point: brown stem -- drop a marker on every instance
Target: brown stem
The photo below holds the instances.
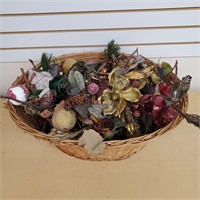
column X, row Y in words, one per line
column 175, row 79
column 32, row 63
column 32, row 77
column 136, row 51
column 25, row 79
column 155, row 67
column 100, row 68
column 190, row 118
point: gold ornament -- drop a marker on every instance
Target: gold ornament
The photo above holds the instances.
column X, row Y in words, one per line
column 63, row 120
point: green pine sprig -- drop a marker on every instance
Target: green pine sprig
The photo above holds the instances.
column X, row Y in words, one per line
column 112, row 49
column 46, row 61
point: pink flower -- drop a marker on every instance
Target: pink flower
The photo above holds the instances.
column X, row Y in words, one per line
column 152, row 104
column 93, row 88
column 155, row 105
column 166, row 116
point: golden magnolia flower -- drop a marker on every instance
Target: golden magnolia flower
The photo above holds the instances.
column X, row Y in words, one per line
column 117, row 97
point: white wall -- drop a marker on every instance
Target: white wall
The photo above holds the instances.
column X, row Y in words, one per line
column 160, row 28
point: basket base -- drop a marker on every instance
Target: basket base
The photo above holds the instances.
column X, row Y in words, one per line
column 110, row 153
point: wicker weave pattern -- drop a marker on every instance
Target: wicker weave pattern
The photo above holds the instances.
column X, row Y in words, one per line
column 115, row 149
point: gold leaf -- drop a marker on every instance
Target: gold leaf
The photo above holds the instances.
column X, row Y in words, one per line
column 120, row 107
column 111, row 77
column 117, row 81
column 111, row 107
column 67, row 65
column 134, row 75
column 107, row 93
column 148, row 70
column 155, row 78
column 143, row 83
column 131, row 94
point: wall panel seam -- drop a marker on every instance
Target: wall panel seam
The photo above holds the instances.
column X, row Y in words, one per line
column 100, row 11
column 101, row 29
column 93, row 46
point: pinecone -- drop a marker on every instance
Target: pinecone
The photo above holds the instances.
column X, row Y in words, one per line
column 73, row 101
column 106, row 123
column 128, row 114
column 105, row 126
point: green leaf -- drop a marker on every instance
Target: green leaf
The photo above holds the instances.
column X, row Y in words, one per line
column 56, row 83
column 166, row 69
column 35, row 92
column 80, row 63
column 73, row 89
column 95, row 113
column 79, row 80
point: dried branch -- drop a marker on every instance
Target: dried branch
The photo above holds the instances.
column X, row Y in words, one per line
column 136, row 51
column 25, row 79
column 190, row 118
column 175, row 79
column 32, row 63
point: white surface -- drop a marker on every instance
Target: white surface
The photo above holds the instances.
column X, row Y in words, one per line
column 175, row 34
column 99, row 38
column 38, row 6
column 100, row 21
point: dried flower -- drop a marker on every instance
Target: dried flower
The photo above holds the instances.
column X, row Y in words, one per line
column 92, row 88
column 19, row 92
column 166, row 116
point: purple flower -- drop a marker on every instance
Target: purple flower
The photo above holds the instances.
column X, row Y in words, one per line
column 92, row 88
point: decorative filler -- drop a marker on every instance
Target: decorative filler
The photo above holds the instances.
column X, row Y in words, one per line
column 99, row 106
column 19, row 92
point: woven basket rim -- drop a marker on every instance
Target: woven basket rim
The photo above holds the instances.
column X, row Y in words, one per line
column 135, row 140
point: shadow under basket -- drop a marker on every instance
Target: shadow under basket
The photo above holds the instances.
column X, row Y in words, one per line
column 115, row 149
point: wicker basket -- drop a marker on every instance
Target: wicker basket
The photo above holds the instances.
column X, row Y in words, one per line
column 115, row 149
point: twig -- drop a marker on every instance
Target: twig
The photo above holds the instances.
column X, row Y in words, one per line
column 190, row 118
column 175, row 79
column 69, row 135
column 136, row 51
column 25, row 78
column 150, row 61
column 32, row 77
column 32, row 63
column 156, row 69
column 100, row 68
